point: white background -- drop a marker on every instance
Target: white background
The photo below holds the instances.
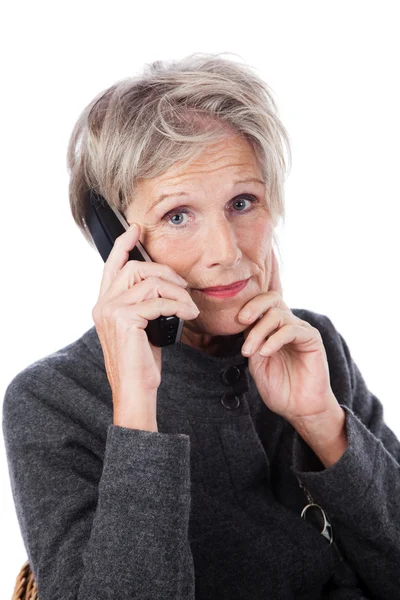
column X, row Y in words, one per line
column 335, row 73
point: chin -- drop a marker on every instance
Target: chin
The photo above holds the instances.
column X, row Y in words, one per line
column 232, row 327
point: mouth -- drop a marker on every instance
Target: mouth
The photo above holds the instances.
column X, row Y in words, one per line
column 221, row 288
column 225, row 290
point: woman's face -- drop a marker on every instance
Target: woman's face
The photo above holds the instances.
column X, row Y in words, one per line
column 212, row 230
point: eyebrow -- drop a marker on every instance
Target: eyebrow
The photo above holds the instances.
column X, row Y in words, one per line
column 163, row 196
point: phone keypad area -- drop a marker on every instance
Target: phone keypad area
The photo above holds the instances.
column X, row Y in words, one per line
column 163, row 330
column 171, row 334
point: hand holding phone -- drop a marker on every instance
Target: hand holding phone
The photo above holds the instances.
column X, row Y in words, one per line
column 106, row 224
column 141, row 307
column 131, row 294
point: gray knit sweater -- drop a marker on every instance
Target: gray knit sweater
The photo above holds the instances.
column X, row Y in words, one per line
column 209, row 506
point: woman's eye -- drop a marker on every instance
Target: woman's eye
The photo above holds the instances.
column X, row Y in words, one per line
column 238, row 202
column 241, row 200
column 169, row 216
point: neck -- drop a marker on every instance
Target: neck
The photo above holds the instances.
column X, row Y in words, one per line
column 218, row 345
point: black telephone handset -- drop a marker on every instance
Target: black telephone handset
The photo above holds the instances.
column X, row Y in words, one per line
column 106, row 224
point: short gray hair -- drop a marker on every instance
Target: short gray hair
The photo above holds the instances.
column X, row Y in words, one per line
column 142, row 125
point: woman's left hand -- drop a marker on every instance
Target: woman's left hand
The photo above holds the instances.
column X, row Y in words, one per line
column 293, row 378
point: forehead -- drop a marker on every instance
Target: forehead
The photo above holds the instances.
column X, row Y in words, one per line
column 233, row 155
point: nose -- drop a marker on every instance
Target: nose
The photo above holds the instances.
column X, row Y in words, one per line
column 221, row 246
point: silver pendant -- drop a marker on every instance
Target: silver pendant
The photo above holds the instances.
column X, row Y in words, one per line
column 327, row 527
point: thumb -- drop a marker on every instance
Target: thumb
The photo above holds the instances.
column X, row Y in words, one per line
column 275, row 283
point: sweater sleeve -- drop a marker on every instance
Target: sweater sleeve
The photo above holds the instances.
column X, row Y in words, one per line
column 361, row 491
column 97, row 523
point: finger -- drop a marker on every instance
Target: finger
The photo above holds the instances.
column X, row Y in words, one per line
column 139, row 314
column 118, row 258
column 135, row 271
column 154, row 287
column 289, row 334
column 259, row 305
column 265, row 327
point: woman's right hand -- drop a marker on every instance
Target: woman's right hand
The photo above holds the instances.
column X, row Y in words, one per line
column 133, row 292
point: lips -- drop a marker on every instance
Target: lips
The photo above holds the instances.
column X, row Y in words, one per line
column 221, row 288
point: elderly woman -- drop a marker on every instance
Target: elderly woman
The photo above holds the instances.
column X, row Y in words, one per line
column 247, row 460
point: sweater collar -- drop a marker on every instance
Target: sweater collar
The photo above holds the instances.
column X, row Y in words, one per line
column 179, row 351
column 191, row 378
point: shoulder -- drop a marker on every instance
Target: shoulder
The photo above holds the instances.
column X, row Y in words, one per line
column 68, row 386
column 54, row 368
column 318, row 320
column 330, row 335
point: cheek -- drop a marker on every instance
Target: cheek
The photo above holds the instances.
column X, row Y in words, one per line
column 261, row 245
column 262, row 229
column 166, row 251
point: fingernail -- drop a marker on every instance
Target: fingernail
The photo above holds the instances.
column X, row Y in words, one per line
column 133, row 225
column 245, row 316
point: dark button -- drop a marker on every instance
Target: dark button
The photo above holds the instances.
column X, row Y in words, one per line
column 231, row 375
column 230, row 401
